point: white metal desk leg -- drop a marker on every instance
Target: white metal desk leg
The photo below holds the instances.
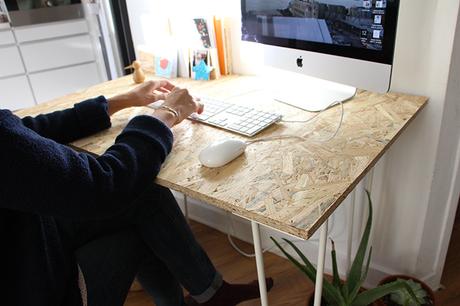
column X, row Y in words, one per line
column 320, row 267
column 259, row 264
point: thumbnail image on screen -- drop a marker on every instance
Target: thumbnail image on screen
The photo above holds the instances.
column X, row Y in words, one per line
column 354, row 23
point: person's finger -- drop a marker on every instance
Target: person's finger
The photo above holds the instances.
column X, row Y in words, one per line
column 175, row 89
column 200, row 107
column 162, row 89
column 166, row 84
column 159, row 96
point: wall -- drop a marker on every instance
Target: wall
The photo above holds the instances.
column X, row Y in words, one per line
column 408, row 201
column 415, row 185
column 446, row 179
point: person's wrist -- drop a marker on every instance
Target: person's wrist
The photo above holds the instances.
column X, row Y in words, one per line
column 173, row 110
column 166, row 116
column 119, row 102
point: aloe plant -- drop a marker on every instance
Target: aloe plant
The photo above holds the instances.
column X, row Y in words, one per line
column 347, row 293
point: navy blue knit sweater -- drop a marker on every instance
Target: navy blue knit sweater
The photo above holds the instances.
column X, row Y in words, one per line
column 41, row 178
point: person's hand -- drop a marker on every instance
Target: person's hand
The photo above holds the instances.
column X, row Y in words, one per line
column 181, row 101
column 149, row 92
column 178, row 105
column 142, row 95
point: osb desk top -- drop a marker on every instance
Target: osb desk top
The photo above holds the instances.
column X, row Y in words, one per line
column 290, row 184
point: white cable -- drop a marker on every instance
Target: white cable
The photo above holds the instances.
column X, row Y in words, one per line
column 338, row 126
column 241, row 252
column 230, row 229
column 287, row 136
column 313, row 117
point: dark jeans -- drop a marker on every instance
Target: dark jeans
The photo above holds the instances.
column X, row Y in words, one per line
column 151, row 240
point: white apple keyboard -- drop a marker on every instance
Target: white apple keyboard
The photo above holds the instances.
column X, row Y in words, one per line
column 243, row 120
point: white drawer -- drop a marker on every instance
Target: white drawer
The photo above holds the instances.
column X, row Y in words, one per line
column 6, row 38
column 57, row 53
column 15, row 93
column 55, row 83
column 10, row 61
column 51, row 30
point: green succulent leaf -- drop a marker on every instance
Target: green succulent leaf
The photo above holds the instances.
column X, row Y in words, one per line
column 330, row 294
column 355, row 275
column 335, row 270
column 368, row 297
column 353, row 294
column 403, row 297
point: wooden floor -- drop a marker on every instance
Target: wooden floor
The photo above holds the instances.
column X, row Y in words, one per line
column 291, row 287
column 450, row 296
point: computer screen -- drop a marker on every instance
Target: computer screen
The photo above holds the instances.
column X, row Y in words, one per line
column 360, row 29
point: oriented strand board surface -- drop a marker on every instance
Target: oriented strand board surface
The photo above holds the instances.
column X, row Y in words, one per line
column 292, row 185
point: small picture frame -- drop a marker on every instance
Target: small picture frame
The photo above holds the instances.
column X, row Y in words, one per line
column 200, row 64
column 203, row 30
column 166, row 65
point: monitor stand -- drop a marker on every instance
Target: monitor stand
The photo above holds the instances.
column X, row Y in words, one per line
column 308, row 93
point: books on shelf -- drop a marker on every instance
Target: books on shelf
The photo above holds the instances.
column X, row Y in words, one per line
column 223, row 44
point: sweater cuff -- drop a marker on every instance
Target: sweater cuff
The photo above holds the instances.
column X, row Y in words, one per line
column 152, row 129
column 92, row 115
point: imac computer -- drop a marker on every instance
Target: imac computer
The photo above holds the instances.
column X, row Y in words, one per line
column 319, row 51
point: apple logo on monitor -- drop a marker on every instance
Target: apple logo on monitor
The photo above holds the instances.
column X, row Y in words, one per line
column 300, row 62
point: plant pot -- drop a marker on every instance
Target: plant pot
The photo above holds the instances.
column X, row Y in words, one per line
column 385, row 300
column 311, row 299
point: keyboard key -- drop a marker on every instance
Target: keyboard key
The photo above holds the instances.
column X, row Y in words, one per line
column 252, row 130
column 235, row 126
column 199, row 117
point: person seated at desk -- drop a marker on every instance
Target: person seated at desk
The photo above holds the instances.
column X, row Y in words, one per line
column 76, row 229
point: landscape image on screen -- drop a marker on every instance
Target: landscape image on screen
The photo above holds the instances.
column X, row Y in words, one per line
column 353, row 23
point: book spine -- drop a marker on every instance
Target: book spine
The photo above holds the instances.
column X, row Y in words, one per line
column 218, row 30
column 228, row 46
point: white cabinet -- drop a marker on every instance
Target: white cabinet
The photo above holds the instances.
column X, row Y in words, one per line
column 55, row 83
column 6, row 37
column 15, row 93
column 45, row 61
column 10, row 61
column 56, row 53
column 51, row 30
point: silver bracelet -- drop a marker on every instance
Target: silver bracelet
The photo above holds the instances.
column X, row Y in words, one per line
column 170, row 109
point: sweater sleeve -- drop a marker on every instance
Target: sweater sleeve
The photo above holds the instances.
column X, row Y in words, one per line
column 85, row 118
column 41, row 176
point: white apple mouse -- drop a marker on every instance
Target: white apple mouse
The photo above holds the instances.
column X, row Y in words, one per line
column 221, row 152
